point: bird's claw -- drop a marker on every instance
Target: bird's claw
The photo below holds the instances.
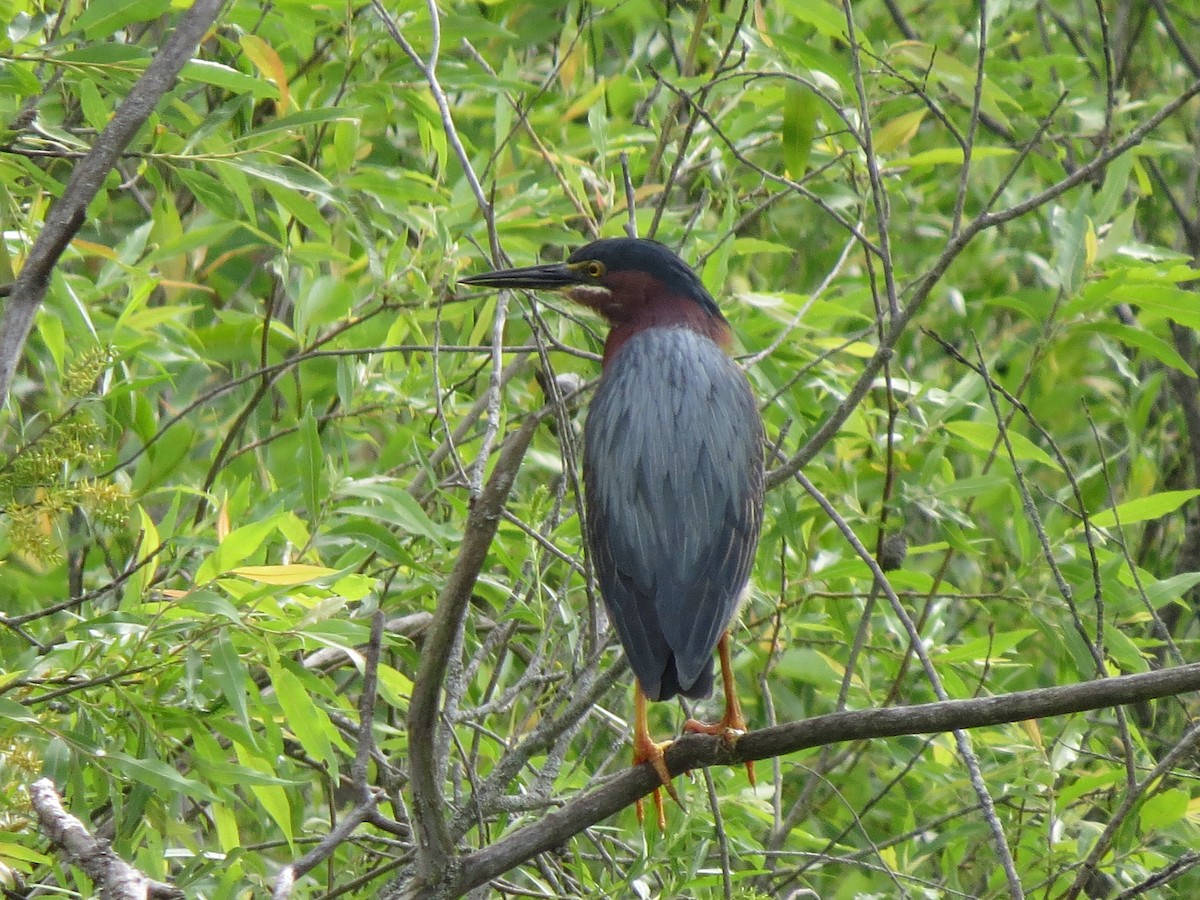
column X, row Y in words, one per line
column 649, row 751
column 727, row 732
column 729, row 729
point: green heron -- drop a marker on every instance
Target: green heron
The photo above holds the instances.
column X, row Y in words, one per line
column 672, row 471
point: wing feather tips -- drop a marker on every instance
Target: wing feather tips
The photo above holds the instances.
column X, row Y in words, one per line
column 673, row 564
column 697, row 689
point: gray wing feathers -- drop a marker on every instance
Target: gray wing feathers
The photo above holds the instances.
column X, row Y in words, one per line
column 673, row 476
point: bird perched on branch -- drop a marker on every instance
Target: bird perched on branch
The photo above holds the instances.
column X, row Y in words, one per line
column 673, row 472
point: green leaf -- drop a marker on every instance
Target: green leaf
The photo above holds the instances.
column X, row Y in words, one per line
column 1159, row 593
column 160, row 776
column 986, row 435
column 312, row 464
column 351, row 119
column 748, row 246
column 272, row 797
column 825, row 17
column 100, row 18
column 308, row 721
column 1143, row 509
column 1161, row 301
column 938, row 64
column 393, row 505
column 225, row 667
column 149, row 544
column 292, row 177
column 1164, row 809
column 291, row 574
column 947, row 156
column 19, row 853
column 95, row 110
column 12, row 711
column 17, row 80
column 1068, row 229
column 1116, row 180
column 238, row 545
column 899, row 131
column 108, row 55
column 1124, row 652
column 222, row 76
column 800, row 108
column 212, row 193
column 394, row 686
column 1151, row 344
column 988, row 647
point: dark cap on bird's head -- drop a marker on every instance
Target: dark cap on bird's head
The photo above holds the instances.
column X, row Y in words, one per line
column 672, row 471
column 611, row 275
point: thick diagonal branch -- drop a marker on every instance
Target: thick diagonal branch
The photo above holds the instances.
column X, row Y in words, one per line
column 66, row 216
column 695, row 750
column 114, row 878
column 434, row 847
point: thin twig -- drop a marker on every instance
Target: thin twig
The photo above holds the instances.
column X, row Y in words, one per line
column 963, row 742
column 924, row 285
column 67, row 215
column 1132, row 798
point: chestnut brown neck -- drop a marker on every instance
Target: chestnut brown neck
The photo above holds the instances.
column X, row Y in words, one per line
column 669, row 312
column 633, row 301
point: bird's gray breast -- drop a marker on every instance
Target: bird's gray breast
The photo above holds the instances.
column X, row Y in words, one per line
column 673, row 480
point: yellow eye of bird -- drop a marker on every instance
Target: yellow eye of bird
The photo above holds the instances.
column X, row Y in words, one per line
column 594, row 268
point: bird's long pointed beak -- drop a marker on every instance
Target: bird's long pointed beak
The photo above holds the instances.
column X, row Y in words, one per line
column 550, row 276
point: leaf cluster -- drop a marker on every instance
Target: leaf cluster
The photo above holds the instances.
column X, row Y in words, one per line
column 957, row 246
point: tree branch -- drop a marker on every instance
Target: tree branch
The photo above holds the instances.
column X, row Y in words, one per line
column 115, row 878
column 434, row 845
column 695, row 750
column 923, row 286
column 66, row 216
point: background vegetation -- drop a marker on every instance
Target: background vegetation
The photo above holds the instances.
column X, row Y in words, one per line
column 956, row 242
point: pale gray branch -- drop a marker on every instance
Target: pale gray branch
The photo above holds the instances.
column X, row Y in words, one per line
column 66, row 216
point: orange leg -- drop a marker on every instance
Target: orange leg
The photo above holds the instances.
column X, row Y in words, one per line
column 646, row 750
column 733, row 723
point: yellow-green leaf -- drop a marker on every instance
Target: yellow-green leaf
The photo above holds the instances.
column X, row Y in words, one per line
column 394, row 686
column 985, row 436
column 899, row 131
column 948, row 156
column 1143, row 508
column 296, row 573
column 149, row 544
column 268, row 63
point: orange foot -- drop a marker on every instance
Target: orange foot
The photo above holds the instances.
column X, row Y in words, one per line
column 728, row 730
column 725, row 730
column 646, row 750
column 733, row 724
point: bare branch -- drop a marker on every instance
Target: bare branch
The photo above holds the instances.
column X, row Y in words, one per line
column 695, row 750
column 116, row 879
column 429, row 808
column 66, row 216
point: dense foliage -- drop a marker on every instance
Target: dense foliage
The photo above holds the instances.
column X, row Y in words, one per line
column 956, row 242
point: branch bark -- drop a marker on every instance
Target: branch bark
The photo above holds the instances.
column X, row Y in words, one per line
column 115, row 878
column 695, row 750
column 434, row 845
column 67, row 215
